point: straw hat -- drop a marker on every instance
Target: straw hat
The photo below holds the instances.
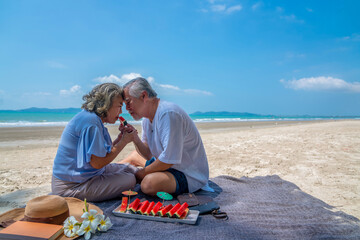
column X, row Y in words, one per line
column 51, row 209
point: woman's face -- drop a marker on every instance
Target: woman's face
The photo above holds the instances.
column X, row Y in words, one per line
column 114, row 111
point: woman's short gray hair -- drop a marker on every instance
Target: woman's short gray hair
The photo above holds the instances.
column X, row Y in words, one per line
column 138, row 85
column 99, row 100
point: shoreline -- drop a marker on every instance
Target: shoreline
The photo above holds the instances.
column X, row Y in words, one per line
column 44, row 132
column 321, row 157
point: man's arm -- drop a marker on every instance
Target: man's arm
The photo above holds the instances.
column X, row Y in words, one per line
column 142, row 148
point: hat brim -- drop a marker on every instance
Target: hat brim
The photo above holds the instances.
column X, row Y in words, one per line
column 75, row 205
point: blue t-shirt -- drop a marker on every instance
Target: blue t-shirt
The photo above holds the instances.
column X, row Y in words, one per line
column 83, row 136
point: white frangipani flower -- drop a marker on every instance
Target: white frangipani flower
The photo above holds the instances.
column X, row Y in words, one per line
column 86, row 229
column 70, row 227
column 91, row 219
column 104, row 224
column 91, row 223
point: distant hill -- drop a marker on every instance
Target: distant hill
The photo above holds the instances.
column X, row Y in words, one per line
column 262, row 116
column 229, row 114
column 45, row 110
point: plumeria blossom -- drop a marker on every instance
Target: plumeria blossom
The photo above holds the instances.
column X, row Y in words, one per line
column 86, row 230
column 104, row 224
column 91, row 223
column 71, row 226
column 90, row 217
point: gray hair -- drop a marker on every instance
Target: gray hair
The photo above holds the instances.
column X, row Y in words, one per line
column 99, row 100
column 138, row 85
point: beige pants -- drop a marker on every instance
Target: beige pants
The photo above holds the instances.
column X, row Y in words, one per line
column 115, row 179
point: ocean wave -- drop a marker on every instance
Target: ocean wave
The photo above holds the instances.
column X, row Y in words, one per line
column 32, row 124
column 196, row 120
column 255, row 119
column 45, row 124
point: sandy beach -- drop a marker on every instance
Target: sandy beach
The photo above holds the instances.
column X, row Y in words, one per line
column 321, row 157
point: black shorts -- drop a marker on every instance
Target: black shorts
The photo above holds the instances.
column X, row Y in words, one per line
column 181, row 181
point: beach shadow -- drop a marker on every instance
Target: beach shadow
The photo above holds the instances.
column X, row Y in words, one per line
column 19, row 198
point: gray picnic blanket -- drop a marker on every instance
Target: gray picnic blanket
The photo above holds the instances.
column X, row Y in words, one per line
column 258, row 208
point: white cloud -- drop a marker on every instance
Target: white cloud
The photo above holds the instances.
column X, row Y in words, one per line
column 321, row 83
column 353, row 37
column 115, row 79
column 218, row 8
column 150, row 79
column 167, row 87
column 279, row 9
column 289, row 18
column 221, row 8
column 233, row 9
column 57, row 65
column 309, row 10
column 186, row 91
column 292, row 18
column 224, row 9
column 256, row 6
column 73, row 90
column 195, row 91
column 112, row 78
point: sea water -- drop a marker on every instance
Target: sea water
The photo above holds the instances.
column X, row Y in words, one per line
column 60, row 117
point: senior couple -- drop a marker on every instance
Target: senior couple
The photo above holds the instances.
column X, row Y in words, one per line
column 169, row 157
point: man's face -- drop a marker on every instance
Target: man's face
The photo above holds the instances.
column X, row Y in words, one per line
column 133, row 105
column 115, row 110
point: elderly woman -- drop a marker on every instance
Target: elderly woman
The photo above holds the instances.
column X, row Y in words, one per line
column 82, row 166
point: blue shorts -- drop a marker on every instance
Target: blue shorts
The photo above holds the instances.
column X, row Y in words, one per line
column 181, row 182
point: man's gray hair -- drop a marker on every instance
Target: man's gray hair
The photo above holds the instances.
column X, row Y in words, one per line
column 99, row 100
column 138, row 85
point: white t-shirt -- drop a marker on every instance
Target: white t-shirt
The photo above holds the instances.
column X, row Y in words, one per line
column 174, row 139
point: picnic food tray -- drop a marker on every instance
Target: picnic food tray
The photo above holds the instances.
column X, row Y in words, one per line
column 190, row 218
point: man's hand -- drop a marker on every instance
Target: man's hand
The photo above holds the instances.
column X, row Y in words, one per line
column 127, row 128
column 156, row 166
column 129, row 136
column 127, row 133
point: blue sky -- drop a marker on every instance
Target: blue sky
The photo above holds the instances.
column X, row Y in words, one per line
column 267, row 57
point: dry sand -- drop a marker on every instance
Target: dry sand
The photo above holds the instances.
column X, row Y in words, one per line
column 320, row 157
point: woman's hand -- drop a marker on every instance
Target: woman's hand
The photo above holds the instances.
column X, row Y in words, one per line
column 128, row 126
column 118, row 138
column 127, row 137
column 128, row 134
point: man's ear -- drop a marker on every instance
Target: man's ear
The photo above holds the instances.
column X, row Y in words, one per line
column 144, row 95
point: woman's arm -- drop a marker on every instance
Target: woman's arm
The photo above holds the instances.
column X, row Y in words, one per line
column 100, row 162
column 141, row 147
column 117, row 139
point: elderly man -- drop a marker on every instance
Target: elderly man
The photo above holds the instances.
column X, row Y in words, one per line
column 171, row 144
